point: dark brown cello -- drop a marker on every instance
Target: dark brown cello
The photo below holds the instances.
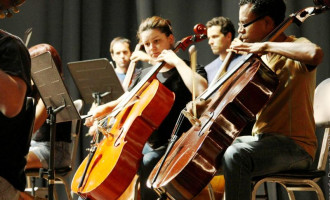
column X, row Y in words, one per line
column 195, row 157
column 112, row 164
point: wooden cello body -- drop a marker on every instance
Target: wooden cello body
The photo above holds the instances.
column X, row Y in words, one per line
column 130, row 132
column 195, row 157
column 112, row 164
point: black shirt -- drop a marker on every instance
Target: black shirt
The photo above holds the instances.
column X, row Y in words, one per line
column 14, row 60
column 173, row 81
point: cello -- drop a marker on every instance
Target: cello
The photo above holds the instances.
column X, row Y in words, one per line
column 130, row 70
column 111, row 164
column 244, row 90
column 7, row 5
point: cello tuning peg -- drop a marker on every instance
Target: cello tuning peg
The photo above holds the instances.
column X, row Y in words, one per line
column 2, row 14
column 9, row 14
column 200, row 29
column 15, row 9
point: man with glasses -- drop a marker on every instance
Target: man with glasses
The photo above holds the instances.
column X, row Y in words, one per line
column 283, row 137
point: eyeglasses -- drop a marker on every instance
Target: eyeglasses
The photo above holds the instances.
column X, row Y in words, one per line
column 240, row 25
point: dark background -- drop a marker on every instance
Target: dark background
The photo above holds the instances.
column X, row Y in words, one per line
column 83, row 29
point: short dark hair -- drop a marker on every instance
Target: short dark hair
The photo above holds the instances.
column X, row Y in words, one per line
column 119, row 39
column 226, row 26
column 272, row 8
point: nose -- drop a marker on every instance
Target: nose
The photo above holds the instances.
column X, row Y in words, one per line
column 240, row 29
column 152, row 46
column 122, row 55
column 210, row 41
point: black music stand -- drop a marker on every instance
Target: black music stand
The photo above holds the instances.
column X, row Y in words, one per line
column 57, row 100
column 96, row 80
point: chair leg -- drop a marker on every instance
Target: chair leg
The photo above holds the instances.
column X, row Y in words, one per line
column 266, row 191
column 265, row 195
column 255, row 189
column 55, row 193
column 136, row 188
column 319, row 194
column 211, row 192
column 66, row 186
column 317, row 190
column 33, row 186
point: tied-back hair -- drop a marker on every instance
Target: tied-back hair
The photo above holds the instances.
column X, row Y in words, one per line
column 155, row 22
column 226, row 26
column 272, row 8
column 121, row 40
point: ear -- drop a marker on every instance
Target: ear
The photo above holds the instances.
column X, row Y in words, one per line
column 270, row 24
column 229, row 36
column 171, row 39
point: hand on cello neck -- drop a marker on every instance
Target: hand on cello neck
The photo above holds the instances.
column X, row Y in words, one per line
column 201, row 105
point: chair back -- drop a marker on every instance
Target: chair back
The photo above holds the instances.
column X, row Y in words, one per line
column 30, row 110
column 322, row 118
column 75, row 131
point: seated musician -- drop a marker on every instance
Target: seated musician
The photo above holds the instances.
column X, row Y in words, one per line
column 220, row 34
column 283, row 137
column 155, row 33
column 15, row 86
column 120, row 53
column 39, row 151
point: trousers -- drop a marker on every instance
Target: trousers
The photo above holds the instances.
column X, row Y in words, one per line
column 258, row 155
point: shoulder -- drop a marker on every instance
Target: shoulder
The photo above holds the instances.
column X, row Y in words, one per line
column 293, row 38
column 9, row 41
column 11, row 46
column 215, row 62
column 14, row 57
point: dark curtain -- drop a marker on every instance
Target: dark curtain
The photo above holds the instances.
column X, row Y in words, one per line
column 83, row 29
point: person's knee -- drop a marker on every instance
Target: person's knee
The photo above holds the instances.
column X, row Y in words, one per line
column 233, row 156
column 147, row 160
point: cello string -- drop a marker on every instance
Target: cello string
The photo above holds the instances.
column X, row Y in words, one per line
column 174, row 137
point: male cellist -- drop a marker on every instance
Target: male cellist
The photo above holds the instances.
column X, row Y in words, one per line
column 283, row 137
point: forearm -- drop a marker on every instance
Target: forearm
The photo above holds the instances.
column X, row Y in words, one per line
column 307, row 53
column 186, row 73
column 40, row 116
column 12, row 90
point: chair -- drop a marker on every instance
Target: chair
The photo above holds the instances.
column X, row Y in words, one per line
column 307, row 180
column 62, row 173
column 30, row 116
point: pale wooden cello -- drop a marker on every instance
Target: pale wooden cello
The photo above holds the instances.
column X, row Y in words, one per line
column 112, row 164
column 195, row 157
column 130, row 70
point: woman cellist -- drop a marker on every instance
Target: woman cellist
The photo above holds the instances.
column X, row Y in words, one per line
column 155, row 34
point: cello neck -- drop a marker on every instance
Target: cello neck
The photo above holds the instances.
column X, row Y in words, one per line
column 223, row 66
column 154, row 70
column 183, row 44
column 129, row 75
column 130, row 70
column 297, row 18
column 129, row 95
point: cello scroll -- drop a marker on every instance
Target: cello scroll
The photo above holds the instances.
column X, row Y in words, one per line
column 7, row 5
